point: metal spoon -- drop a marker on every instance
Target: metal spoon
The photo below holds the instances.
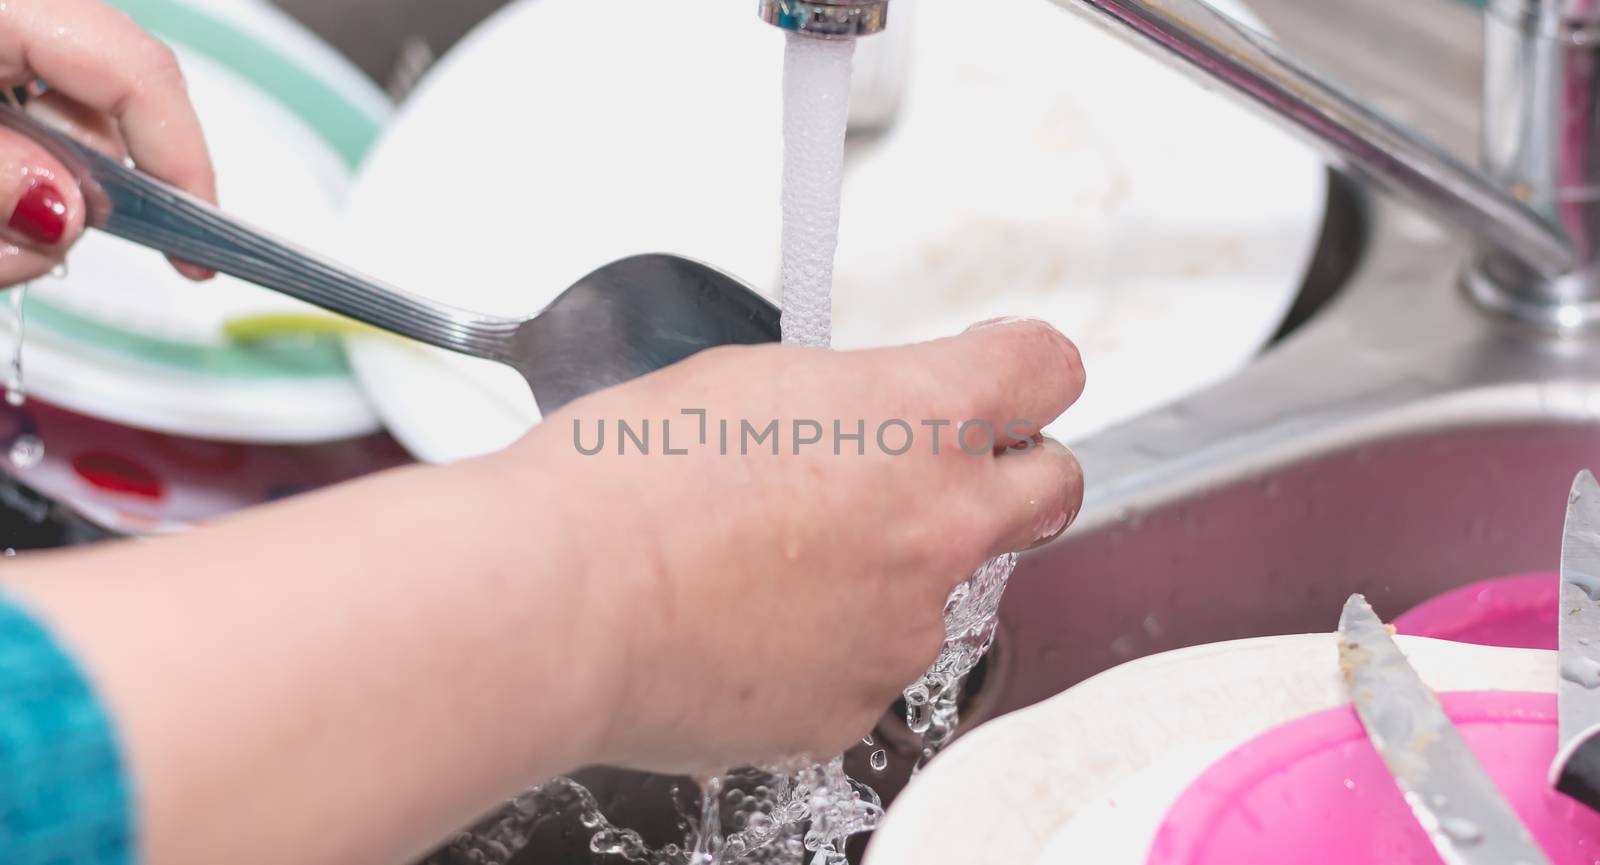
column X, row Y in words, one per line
column 629, row 318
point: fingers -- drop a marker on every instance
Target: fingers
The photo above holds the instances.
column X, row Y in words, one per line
column 99, row 57
column 1037, row 493
column 43, row 207
column 42, row 210
column 65, row 114
column 96, row 58
column 1018, row 375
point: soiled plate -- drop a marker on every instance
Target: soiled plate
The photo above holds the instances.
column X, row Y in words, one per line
column 1036, row 169
column 561, row 135
column 123, row 338
column 138, row 482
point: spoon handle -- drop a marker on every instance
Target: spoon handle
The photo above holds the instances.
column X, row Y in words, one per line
column 137, row 207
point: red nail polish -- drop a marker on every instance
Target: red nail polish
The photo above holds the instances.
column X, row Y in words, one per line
column 41, row 214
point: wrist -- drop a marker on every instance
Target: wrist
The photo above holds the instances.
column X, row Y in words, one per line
column 549, row 558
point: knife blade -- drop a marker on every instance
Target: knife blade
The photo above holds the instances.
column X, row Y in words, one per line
column 1450, row 794
column 1576, row 768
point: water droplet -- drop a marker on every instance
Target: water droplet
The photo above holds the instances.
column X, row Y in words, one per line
column 9, row 552
column 867, row 740
column 1125, row 647
column 60, row 271
column 879, row 760
column 1461, row 830
column 1581, row 671
column 26, row 451
column 1589, row 583
column 1349, row 784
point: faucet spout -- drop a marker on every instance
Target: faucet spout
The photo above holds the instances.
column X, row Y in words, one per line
column 1206, row 44
column 827, row 19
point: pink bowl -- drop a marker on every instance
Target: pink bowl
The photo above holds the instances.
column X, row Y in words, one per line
column 1514, row 612
column 1314, row 792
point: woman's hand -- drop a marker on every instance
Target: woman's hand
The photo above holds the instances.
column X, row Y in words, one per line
column 110, row 84
column 761, row 606
column 347, row 677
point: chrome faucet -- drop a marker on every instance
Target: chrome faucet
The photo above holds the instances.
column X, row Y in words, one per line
column 1532, row 211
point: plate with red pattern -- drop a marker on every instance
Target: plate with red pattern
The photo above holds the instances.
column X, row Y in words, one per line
column 140, row 482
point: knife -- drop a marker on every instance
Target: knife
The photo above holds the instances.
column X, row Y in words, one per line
column 1464, row 814
column 1576, row 769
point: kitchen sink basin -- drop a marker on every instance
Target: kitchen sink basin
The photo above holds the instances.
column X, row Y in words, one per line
column 1402, row 444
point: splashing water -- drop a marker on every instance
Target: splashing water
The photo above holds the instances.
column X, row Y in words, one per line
column 27, row 451
column 970, row 617
column 779, row 816
column 750, row 816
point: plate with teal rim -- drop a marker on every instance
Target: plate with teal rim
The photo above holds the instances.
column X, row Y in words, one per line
column 121, row 337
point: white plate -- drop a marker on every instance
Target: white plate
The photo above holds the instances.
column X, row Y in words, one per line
column 560, row 135
column 1038, row 168
column 1089, row 775
column 124, row 338
column 1042, row 168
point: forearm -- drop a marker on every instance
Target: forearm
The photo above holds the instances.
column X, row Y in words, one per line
column 319, row 680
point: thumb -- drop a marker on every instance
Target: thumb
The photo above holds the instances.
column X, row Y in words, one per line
column 41, row 207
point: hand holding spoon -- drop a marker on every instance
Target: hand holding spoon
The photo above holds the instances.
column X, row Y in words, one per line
column 628, row 318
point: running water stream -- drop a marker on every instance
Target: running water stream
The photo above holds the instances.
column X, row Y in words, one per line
column 816, row 112
column 16, row 391
column 779, row 816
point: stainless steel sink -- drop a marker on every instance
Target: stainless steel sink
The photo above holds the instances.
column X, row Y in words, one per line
column 1400, row 445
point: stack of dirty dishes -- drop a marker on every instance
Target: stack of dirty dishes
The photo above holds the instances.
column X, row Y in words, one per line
column 153, row 403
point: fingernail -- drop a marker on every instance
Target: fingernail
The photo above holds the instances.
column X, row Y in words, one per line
column 193, row 272
column 41, row 214
column 1059, row 447
column 1002, row 321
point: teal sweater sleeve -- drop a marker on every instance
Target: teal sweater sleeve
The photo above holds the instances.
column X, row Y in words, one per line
column 64, row 798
